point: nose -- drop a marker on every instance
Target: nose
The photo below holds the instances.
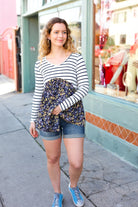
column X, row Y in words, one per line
column 60, row 34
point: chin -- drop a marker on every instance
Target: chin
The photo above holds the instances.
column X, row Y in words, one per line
column 59, row 45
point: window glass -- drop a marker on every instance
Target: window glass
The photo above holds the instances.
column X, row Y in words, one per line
column 73, row 18
column 43, row 19
column 44, row 1
column 33, row 4
column 116, row 48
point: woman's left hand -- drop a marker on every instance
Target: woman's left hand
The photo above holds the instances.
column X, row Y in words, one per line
column 56, row 111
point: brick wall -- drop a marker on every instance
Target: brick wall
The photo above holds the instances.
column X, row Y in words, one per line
column 115, row 129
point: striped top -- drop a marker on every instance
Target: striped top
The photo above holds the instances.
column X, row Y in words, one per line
column 73, row 70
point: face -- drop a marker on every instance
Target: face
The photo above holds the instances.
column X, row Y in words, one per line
column 58, row 35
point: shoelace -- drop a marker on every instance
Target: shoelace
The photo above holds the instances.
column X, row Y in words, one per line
column 56, row 199
column 77, row 194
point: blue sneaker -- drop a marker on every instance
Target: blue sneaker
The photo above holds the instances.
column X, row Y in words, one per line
column 76, row 196
column 58, row 200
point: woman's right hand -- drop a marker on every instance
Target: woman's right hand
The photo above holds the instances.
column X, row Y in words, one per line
column 33, row 131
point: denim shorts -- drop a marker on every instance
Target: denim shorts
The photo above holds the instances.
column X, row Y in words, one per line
column 67, row 130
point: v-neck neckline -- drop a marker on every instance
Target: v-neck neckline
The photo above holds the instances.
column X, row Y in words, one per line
column 56, row 65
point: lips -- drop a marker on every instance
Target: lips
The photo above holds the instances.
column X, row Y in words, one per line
column 60, row 40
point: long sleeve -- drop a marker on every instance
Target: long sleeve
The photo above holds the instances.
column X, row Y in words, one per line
column 82, row 83
column 39, row 86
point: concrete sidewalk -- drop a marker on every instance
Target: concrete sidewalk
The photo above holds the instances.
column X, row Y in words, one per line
column 106, row 181
column 7, row 85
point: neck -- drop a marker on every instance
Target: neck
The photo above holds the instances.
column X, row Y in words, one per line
column 56, row 51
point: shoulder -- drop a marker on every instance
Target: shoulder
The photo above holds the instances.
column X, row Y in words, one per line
column 77, row 56
column 39, row 63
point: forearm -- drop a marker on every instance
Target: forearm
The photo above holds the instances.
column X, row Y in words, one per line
column 77, row 96
column 39, row 86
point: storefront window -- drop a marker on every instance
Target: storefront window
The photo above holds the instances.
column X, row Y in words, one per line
column 116, row 48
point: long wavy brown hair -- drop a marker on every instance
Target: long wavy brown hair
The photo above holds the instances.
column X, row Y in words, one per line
column 45, row 43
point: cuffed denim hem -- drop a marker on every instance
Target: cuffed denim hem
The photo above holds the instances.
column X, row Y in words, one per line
column 50, row 135
column 51, row 138
column 73, row 136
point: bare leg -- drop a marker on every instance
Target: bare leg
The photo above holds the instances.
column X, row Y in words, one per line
column 74, row 147
column 53, row 152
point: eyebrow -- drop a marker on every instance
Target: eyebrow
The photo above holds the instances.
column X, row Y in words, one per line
column 59, row 30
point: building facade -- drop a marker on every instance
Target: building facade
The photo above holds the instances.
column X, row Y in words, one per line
column 103, row 33
column 10, row 42
column 8, row 17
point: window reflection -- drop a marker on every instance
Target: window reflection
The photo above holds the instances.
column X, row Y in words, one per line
column 116, row 48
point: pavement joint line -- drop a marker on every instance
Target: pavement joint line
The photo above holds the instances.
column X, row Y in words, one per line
column 12, row 131
column 87, row 197
column 2, row 200
column 15, row 116
column 38, row 143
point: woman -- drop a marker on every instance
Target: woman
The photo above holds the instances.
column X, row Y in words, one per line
column 58, row 59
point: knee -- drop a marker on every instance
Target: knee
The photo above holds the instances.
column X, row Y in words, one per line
column 76, row 164
column 53, row 160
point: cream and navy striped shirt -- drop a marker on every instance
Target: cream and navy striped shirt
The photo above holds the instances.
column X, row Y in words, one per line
column 73, row 70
